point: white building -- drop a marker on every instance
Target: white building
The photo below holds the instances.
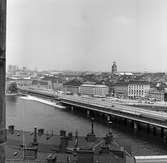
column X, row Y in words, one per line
column 155, row 94
column 94, row 90
column 138, row 89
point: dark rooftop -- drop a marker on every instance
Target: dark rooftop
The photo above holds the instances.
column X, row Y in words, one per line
column 74, row 82
column 139, row 82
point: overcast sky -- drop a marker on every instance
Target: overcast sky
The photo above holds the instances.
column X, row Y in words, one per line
column 88, row 34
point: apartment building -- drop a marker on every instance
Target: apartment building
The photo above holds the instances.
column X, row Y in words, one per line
column 94, row 90
column 138, row 89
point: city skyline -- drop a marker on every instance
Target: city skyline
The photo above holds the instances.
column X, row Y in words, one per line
column 20, row 67
column 88, row 35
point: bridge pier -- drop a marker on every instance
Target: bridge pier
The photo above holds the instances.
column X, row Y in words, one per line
column 164, row 135
column 132, row 124
column 125, row 121
column 88, row 113
column 162, row 132
column 118, row 122
column 148, row 128
column 154, row 130
column 72, row 108
column 115, row 119
column 135, row 126
column 165, row 139
column 139, row 126
column 108, row 118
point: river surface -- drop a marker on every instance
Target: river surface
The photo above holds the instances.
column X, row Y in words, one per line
column 25, row 114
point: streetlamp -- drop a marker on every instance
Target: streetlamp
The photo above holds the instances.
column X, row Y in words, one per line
column 91, row 137
column 92, row 122
column 110, row 128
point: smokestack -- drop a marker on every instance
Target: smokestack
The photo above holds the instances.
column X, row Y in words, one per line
column 2, row 78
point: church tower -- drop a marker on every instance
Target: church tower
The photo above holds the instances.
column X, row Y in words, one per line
column 114, row 68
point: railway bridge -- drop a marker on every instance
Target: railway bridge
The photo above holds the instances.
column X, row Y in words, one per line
column 152, row 120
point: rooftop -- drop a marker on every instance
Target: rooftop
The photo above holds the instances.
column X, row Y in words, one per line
column 91, row 85
column 139, row 82
column 74, row 82
column 48, row 144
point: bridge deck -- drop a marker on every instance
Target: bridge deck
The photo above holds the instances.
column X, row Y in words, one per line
column 155, row 118
column 138, row 114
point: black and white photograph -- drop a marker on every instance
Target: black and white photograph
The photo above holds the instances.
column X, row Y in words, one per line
column 83, row 81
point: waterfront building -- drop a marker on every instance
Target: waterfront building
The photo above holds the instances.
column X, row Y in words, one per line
column 114, row 68
column 120, row 89
column 23, row 82
column 138, row 89
column 94, row 90
column 155, row 94
column 72, row 86
column 56, row 83
column 42, row 84
column 57, row 86
column 48, row 83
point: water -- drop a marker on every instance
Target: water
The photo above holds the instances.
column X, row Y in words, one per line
column 25, row 114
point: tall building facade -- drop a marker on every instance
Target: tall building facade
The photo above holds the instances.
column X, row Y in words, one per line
column 114, row 68
column 138, row 89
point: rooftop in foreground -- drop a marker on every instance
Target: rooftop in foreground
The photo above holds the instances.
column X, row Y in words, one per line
column 64, row 147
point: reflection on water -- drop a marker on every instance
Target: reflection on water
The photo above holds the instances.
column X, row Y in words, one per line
column 12, row 99
column 25, row 114
column 11, row 103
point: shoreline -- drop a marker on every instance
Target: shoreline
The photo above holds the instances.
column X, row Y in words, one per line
column 47, row 102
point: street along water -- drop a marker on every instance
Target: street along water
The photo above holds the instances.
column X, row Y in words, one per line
column 25, row 114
